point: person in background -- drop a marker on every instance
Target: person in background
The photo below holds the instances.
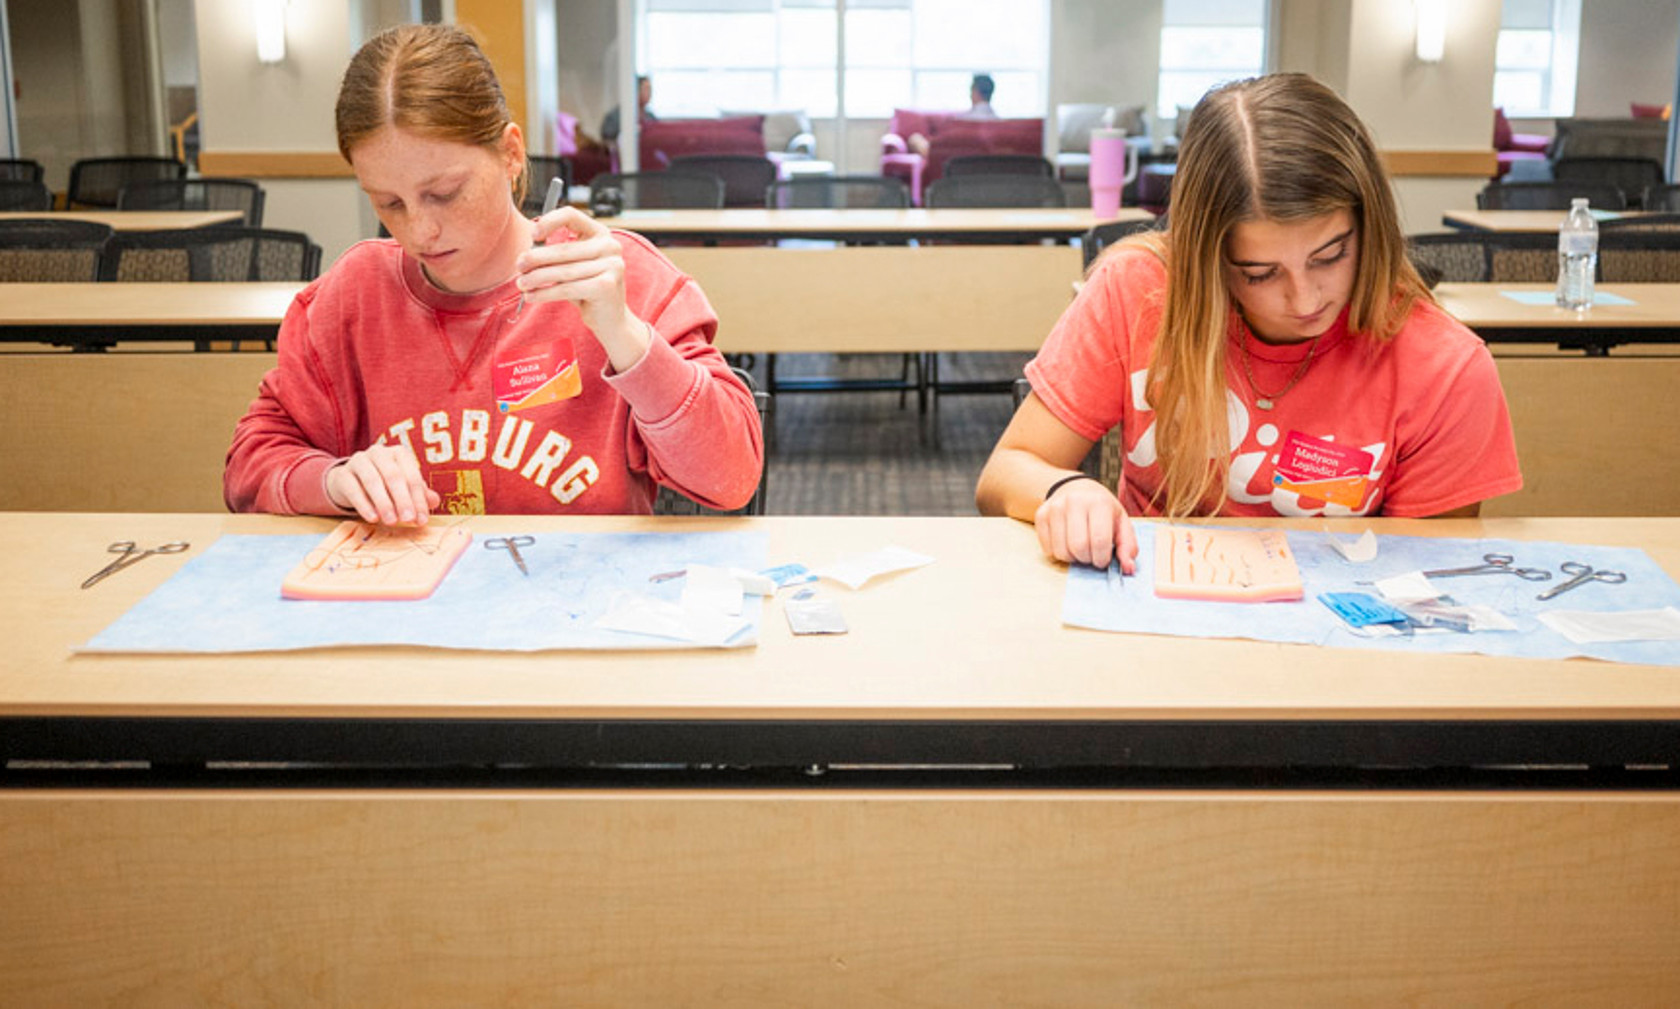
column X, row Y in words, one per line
column 980, row 107
column 610, row 124
column 1273, row 353
column 477, row 361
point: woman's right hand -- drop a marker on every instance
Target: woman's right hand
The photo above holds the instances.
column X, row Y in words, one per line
column 1084, row 522
column 382, row 484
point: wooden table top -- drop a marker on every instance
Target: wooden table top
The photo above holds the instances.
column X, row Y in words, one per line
column 749, row 222
column 1485, row 306
column 133, row 220
column 1519, row 220
column 172, row 304
column 975, row 635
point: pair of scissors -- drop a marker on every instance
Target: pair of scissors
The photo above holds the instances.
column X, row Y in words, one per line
column 512, row 544
column 556, row 189
column 1582, row 573
column 1494, row 564
column 131, row 554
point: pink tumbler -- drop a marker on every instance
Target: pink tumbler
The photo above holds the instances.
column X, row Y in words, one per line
column 1108, row 170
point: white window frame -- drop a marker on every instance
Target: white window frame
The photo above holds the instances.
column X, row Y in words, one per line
column 1559, row 76
column 1167, row 109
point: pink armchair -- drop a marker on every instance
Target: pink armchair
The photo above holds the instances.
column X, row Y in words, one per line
column 951, row 134
column 1511, row 148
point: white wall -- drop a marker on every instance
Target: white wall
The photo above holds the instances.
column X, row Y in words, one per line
column 1628, row 52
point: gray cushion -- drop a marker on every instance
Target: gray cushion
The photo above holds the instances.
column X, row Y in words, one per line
column 1075, row 122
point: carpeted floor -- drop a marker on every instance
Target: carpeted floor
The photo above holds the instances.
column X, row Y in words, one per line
column 859, row 453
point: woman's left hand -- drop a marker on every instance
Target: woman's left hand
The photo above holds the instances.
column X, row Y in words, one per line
column 576, row 259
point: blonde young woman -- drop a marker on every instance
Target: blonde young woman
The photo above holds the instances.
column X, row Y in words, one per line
column 478, row 361
column 1274, row 353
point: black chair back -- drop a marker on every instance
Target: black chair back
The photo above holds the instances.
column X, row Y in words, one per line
column 242, row 195
column 544, row 168
column 21, row 170
column 221, row 254
column 1631, row 175
column 997, row 164
column 745, row 176
column 20, row 194
column 1454, row 256
column 1549, row 195
column 1104, row 235
column 51, row 251
column 95, row 182
column 667, row 190
column 995, row 191
column 1664, row 198
column 848, row 192
column 668, row 502
column 1636, row 255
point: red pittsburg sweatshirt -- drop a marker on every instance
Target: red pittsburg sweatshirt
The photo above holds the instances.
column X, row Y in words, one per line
column 371, row 352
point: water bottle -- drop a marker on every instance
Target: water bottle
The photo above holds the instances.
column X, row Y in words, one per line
column 1577, row 256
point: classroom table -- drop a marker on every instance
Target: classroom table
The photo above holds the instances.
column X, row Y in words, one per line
column 1521, row 220
column 133, row 220
column 94, row 316
column 959, row 802
column 1653, row 318
column 869, row 225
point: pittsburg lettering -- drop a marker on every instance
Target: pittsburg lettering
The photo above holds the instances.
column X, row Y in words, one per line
column 469, row 442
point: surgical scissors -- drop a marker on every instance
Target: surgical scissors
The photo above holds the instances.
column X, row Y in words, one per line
column 1582, row 573
column 512, row 544
column 131, row 554
column 1496, row 564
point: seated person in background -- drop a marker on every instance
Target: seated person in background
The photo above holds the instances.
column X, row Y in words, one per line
column 610, row 124
column 457, row 367
column 980, row 107
column 1274, row 353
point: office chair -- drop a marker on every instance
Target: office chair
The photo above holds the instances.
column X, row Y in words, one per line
column 1552, row 195
column 224, row 254
column 21, row 170
column 242, row 195
column 745, row 176
column 543, row 169
column 51, row 251
column 21, row 194
column 1664, row 198
column 838, row 192
column 1104, row 235
column 1636, row 255
column 667, row 190
column 997, row 164
column 1631, row 175
column 1521, row 257
column 1450, row 256
column 95, row 182
column 995, row 191
column 669, row 502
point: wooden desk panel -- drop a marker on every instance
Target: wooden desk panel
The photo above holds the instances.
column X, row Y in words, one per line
column 146, row 305
column 1001, row 224
column 133, row 220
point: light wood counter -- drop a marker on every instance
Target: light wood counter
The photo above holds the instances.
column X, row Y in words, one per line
column 132, row 220
column 869, row 224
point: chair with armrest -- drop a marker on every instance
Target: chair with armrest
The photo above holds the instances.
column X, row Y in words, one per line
column 21, row 194
column 51, row 251
column 666, row 190
column 224, row 254
column 1510, row 147
column 242, row 195
column 669, row 502
column 1548, row 196
column 21, row 170
column 996, row 191
column 849, row 192
column 96, row 182
column 544, row 168
column 1631, row 175
column 745, row 177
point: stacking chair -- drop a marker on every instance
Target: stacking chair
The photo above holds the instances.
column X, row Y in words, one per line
column 1457, row 256
column 1631, row 175
column 668, row 502
column 95, row 182
column 667, row 190
column 21, row 170
column 1516, row 257
column 544, row 168
column 242, row 195
column 997, row 164
column 848, row 192
column 995, row 191
column 1664, row 198
column 1636, row 255
column 745, row 176
column 51, row 251
column 222, row 254
column 21, row 194
column 1553, row 195
column 1104, row 235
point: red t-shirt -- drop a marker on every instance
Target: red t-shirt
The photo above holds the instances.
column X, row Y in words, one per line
column 371, row 352
column 1413, row 426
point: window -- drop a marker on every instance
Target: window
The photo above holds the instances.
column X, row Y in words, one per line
column 1534, row 63
column 1205, row 43
column 712, row 55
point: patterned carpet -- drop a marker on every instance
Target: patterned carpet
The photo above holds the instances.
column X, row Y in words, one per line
column 859, row 453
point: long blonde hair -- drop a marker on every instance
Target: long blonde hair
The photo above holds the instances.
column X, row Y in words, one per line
column 1283, row 148
column 432, row 80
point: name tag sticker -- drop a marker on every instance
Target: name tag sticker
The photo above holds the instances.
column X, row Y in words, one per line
column 1323, row 470
column 538, row 377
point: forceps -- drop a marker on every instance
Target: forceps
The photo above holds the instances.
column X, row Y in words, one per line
column 131, row 554
column 1497, row 564
column 1583, row 573
column 556, row 189
column 512, row 544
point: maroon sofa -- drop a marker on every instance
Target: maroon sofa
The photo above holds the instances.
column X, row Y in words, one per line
column 664, row 140
column 951, row 134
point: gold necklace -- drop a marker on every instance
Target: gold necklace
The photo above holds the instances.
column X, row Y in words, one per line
column 1266, row 400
